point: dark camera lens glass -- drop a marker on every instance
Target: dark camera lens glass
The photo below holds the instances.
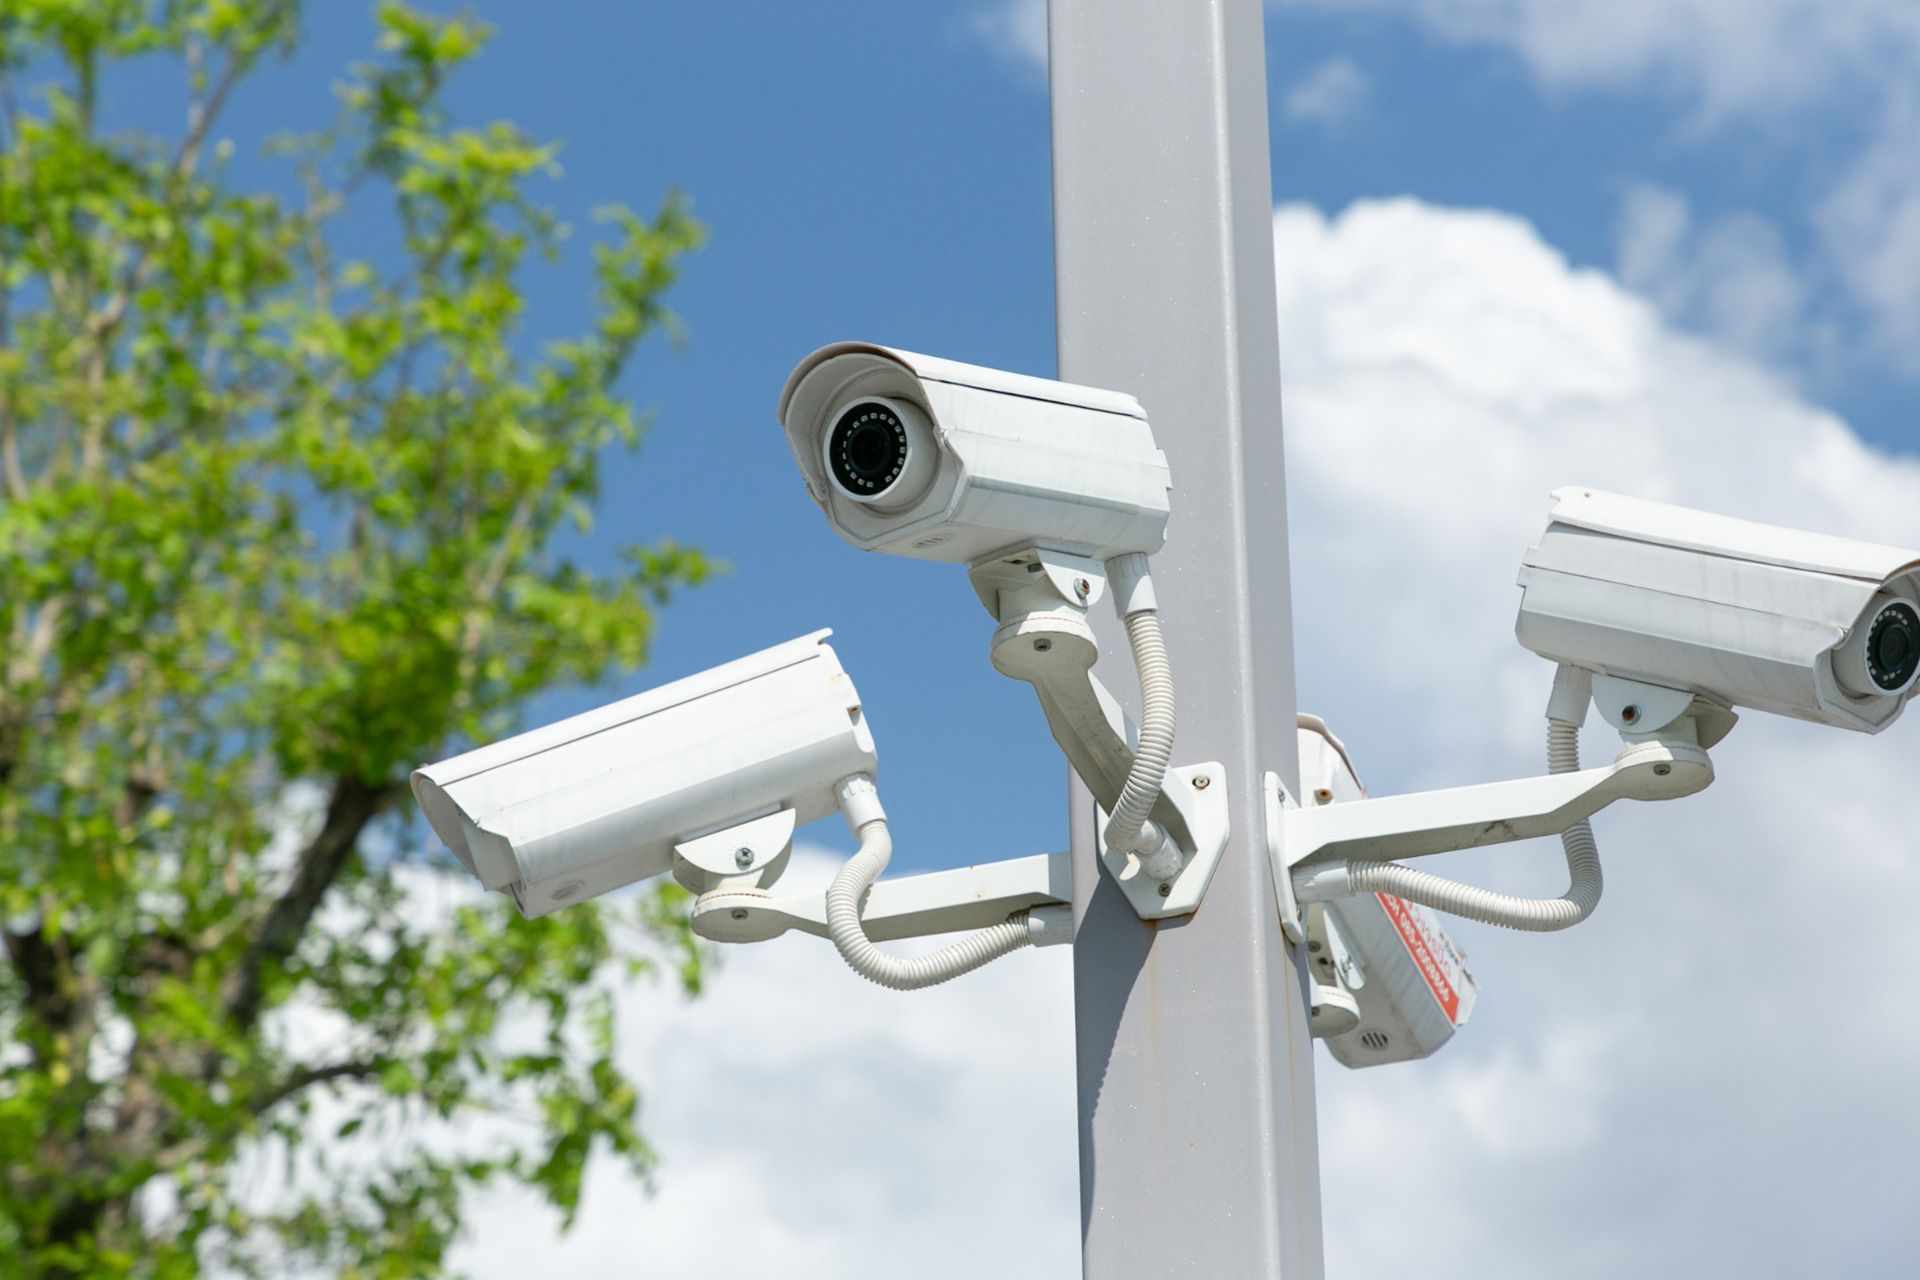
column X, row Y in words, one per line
column 1893, row 646
column 867, row 448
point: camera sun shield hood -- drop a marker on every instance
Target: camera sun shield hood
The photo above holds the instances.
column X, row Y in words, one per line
column 1746, row 614
column 1020, row 460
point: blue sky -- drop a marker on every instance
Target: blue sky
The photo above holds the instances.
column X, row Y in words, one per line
column 881, row 171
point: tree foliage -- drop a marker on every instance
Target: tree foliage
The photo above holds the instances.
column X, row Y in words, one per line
column 276, row 525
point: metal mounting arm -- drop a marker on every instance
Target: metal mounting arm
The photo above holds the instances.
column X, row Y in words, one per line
column 908, row 907
column 1411, row 826
column 1040, row 598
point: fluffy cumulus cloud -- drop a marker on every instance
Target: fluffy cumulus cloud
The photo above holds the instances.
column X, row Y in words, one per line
column 1712, row 1077
column 1632, row 1092
column 811, row 1124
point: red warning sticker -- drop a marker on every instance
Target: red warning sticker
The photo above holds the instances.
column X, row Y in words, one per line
column 1426, row 950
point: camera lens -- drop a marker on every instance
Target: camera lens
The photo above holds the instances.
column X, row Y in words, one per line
column 1893, row 647
column 867, row 448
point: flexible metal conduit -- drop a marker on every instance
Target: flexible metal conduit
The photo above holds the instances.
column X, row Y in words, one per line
column 1134, row 599
column 849, row 888
column 1538, row 915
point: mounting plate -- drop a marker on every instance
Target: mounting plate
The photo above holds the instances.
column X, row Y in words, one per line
column 749, row 854
column 1199, row 792
column 1275, row 802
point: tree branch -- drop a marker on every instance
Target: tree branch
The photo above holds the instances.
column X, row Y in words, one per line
column 11, row 473
column 307, row 1077
column 202, row 113
column 156, row 1132
column 15, row 475
column 351, row 807
column 35, row 647
column 44, row 973
column 200, row 117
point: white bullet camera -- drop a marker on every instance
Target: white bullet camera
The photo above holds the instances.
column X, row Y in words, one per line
column 944, row 461
column 600, row 800
column 1749, row 615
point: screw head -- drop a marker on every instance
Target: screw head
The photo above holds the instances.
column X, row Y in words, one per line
column 1630, row 714
column 738, row 913
column 1202, row 782
column 1662, row 770
column 743, row 858
column 1042, row 645
column 1081, row 587
column 1166, row 890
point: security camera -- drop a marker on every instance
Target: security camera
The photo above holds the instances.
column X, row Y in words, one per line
column 945, row 461
column 611, row 796
column 1748, row 615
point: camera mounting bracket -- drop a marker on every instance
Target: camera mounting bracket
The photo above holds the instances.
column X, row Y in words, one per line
column 1275, row 802
column 909, row 906
column 751, row 853
column 1040, row 599
column 1309, row 847
column 1640, row 711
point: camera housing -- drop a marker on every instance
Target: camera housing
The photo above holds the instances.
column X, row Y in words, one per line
column 1748, row 615
column 602, row 799
column 938, row 460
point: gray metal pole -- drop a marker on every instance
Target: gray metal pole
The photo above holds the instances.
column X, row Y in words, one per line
column 1197, row 1146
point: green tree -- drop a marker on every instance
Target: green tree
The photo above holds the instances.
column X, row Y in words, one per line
column 274, row 527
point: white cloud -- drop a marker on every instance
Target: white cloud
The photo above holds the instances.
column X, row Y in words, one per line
column 1331, row 94
column 812, row 1124
column 1014, row 29
column 1765, row 63
column 1870, row 225
column 1710, row 1078
column 1758, row 56
column 1620, row 1103
column 1732, row 278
